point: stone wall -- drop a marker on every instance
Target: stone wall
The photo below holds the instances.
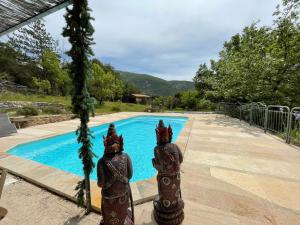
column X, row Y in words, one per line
column 22, row 122
column 20, row 104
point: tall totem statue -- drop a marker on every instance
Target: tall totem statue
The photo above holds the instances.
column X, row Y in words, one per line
column 168, row 206
column 114, row 171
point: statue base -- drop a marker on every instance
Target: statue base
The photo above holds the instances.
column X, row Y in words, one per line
column 170, row 215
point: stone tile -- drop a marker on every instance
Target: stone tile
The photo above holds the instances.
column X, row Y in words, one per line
column 281, row 192
column 232, row 174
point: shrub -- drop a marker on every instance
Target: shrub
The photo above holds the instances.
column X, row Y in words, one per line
column 152, row 109
column 52, row 110
column 204, row 104
column 27, row 111
column 116, row 108
column 189, row 99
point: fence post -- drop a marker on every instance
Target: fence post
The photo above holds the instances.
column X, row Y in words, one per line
column 240, row 113
column 290, row 124
column 266, row 119
column 251, row 114
column 289, row 128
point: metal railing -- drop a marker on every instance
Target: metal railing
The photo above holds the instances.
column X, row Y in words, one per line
column 276, row 119
column 294, row 126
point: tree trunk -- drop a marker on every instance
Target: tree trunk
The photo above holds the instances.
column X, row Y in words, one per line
column 87, row 192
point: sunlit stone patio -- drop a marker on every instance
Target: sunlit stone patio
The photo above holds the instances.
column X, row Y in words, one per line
column 232, row 174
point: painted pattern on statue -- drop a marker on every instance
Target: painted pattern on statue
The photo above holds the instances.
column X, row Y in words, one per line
column 114, row 170
column 168, row 207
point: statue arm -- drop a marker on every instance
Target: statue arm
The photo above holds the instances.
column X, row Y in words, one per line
column 100, row 173
column 129, row 167
column 154, row 160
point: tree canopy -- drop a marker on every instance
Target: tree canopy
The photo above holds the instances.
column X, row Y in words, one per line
column 30, row 58
column 259, row 64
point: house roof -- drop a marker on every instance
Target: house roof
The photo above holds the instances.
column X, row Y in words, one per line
column 17, row 13
column 141, row 96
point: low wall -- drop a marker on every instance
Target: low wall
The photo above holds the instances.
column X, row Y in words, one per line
column 21, row 104
column 22, row 122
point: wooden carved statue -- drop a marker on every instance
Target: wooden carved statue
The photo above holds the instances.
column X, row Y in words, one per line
column 114, row 171
column 168, row 206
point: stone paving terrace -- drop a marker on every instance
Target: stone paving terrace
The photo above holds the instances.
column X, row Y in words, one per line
column 232, row 174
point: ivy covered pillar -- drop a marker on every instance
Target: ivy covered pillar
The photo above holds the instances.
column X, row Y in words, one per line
column 79, row 32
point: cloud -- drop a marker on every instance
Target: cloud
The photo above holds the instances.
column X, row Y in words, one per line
column 167, row 38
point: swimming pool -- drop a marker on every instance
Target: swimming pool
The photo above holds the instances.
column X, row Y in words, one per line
column 61, row 151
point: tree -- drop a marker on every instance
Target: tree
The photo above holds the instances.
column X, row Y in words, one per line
column 96, row 83
column 17, row 70
column 201, row 79
column 128, row 90
column 79, row 30
column 189, row 99
column 32, row 40
column 169, row 102
column 104, row 84
column 42, row 85
column 259, row 64
column 3, row 76
column 53, row 72
column 287, row 33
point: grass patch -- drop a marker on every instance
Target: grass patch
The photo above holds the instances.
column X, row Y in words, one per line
column 111, row 107
column 27, row 111
column 105, row 108
column 10, row 96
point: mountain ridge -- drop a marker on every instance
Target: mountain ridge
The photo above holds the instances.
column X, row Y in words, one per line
column 155, row 86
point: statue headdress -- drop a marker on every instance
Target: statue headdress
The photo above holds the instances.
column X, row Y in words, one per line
column 112, row 142
column 163, row 134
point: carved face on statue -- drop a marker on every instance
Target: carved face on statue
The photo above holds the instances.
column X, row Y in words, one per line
column 163, row 134
column 112, row 142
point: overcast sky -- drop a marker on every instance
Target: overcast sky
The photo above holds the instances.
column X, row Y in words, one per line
column 166, row 38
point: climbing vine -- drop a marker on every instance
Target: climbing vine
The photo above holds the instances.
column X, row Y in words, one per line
column 79, row 31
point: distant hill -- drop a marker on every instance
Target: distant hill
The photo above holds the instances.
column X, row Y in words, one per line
column 155, row 86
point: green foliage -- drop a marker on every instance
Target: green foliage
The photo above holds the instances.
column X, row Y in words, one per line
column 117, row 107
column 31, row 41
column 53, row 72
column 204, row 104
column 169, row 102
column 29, row 59
column 104, row 84
column 79, row 30
column 259, row 65
column 189, row 100
column 52, row 110
column 155, row 86
column 159, row 101
column 3, row 76
column 109, row 107
column 80, row 187
column 11, row 96
column 27, row 111
column 15, row 68
column 128, row 90
column 164, row 102
column 104, row 108
column 41, row 85
column 201, row 80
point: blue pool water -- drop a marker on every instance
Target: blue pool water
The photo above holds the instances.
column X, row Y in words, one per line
column 139, row 140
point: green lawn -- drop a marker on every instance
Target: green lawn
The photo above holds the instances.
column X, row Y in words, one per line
column 10, row 96
column 110, row 107
column 106, row 107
